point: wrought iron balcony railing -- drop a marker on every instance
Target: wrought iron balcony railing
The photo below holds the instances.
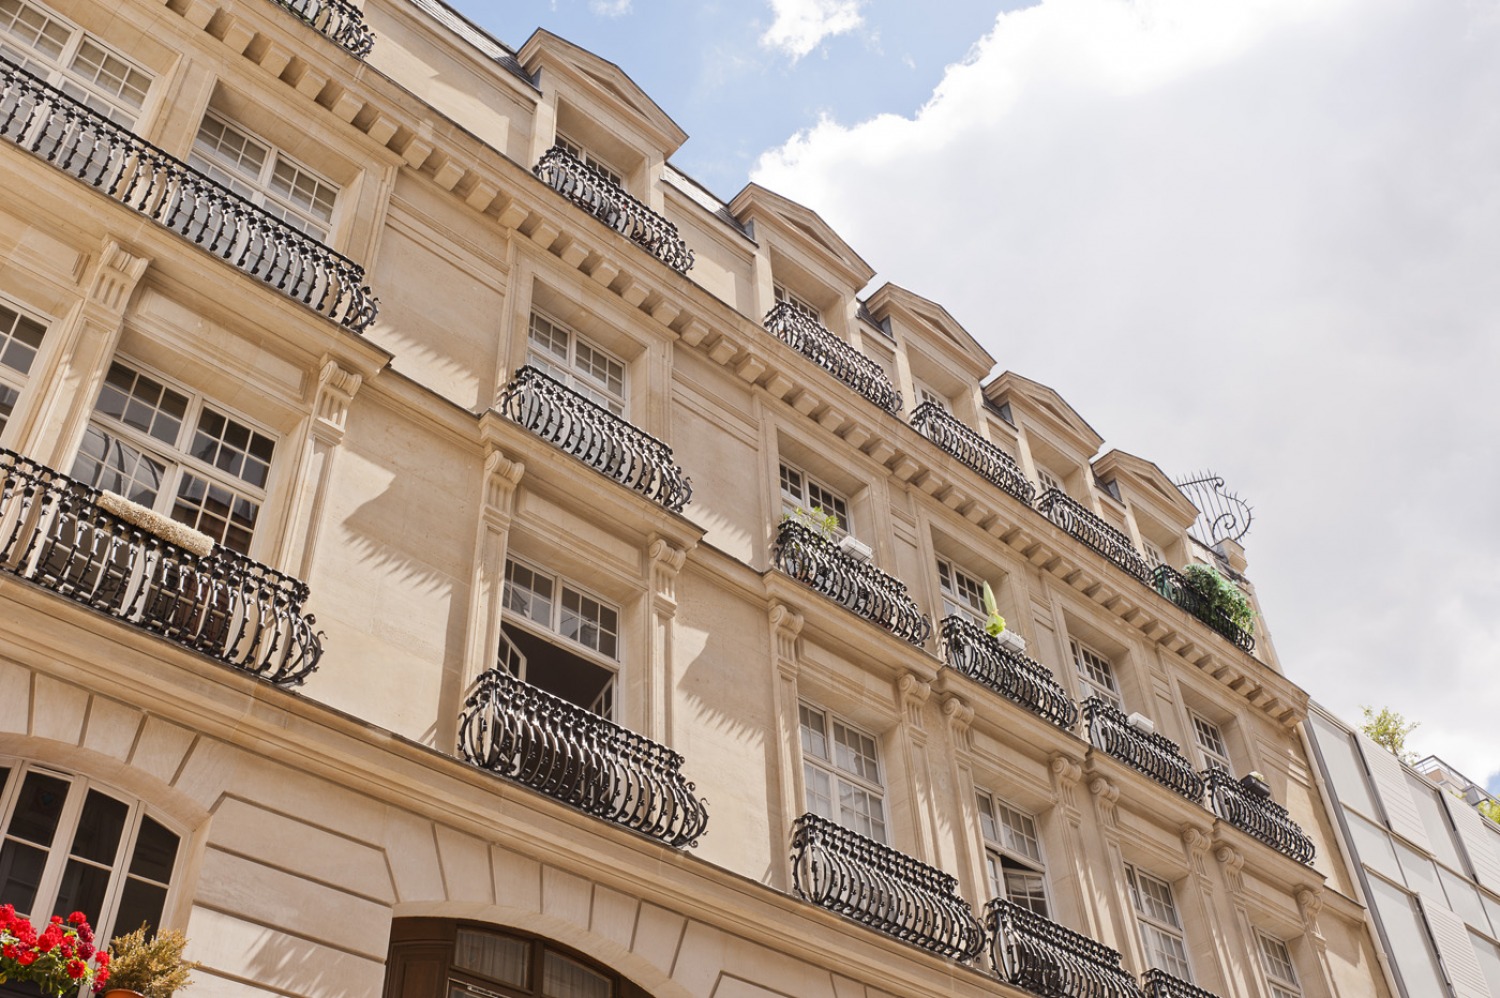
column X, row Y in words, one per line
column 601, row 197
column 875, row 885
column 1086, row 525
column 999, row 468
column 816, row 562
column 89, row 147
column 1170, row 583
column 54, row 534
column 595, row 436
column 1047, row 959
column 793, row 326
column 1257, row 815
column 1155, row 755
column 544, row 742
column 337, row 20
column 1160, row 984
column 968, row 649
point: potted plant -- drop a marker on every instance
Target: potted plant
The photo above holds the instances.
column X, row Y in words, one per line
column 148, row 966
column 1220, row 595
column 1255, row 785
column 58, row 960
column 824, row 524
column 994, row 625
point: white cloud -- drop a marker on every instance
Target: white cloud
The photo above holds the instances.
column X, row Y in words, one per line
column 801, row 24
column 1256, row 235
column 610, row 8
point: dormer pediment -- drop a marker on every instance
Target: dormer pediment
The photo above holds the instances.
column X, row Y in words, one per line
column 1027, row 396
column 940, row 334
column 1150, row 483
column 802, row 229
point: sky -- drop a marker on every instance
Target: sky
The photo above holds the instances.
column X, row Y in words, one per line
column 1257, row 236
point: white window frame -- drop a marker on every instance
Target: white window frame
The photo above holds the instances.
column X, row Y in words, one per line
column 586, row 156
column 1085, row 658
column 1012, row 845
column 1212, row 745
column 800, row 489
column 1154, row 554
column 62, row 70
column 925, row 393
column 844, row 782
column 60, row 851
column 1046, row 478
column 258, row 188
column 553, row 626
column 14, row 350
column 1280, row 969
column 574, row 370
column 176, row 456
column 955, row 586
column 1162, row 934
column 783, row 295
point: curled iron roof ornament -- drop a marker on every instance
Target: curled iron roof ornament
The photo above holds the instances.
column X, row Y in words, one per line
column 1222, row 515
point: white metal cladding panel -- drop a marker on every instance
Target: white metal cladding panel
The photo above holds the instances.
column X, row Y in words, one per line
column 1456, row 950
column 1390, row 785
column 1482, row 845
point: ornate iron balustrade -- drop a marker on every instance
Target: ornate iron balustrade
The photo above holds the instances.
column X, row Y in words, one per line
column 875, row 885
column 801, row 331
column 541, row 741
column 337, row 20
column 1047, row 959
column 1171, row 584
column 1155, row 755
column 1259, row 816
column 1160, row 984
column 1086, row 525
column 595, row 436
column 601, row 197
column 999, row 468
column 246, row 615
column 968, row 649
column 89, row 147
column 816, row 562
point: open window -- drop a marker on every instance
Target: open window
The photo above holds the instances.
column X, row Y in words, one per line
column 1013, row 854
column 1160, row 924
column 560, row 638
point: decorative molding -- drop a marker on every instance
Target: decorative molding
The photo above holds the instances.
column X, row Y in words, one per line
column 1233, row 862
column 960, row 717
column 911, row 694
column 1107, row 795
column 786, row 626
column 116, row 276
column 501, row 476
column 1066, row 772
column 1195, row 845
column 666, row 561
column 337, row 387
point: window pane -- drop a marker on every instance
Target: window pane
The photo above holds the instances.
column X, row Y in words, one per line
column 232, row 447
column 217, row 511
column 1407, row 936
column 141, row 903
column 819, row 790
column 528, row 593
column 99, row 828
column 110, row 74
column 8, row 399
column 1277, row 960
column 39, row 808
column 499, row 958
column 231, row 148
column 987, row 825
column 155, row 852
column 564, row 978
column 20, row 338
column 854, row 752
column 20, row 873
column 861, row 811
column 814, row 742
column 82, row 889
column 142, row 403
column 106, row 462
column 34, row 29
column 1026, row 888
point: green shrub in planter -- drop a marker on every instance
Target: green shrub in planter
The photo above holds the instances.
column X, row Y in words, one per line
column 1221, row 594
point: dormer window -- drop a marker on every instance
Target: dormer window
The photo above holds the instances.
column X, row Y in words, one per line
column 582, row 153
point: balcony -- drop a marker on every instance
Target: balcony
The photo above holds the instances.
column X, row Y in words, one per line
column 817, row 563
column 875, row 885
column 969, row 650
column 595, row 436
column 1155, row 755
column 605, row 200
column 337, row 20
column 54, row 534
column 562, row 750
column 1170, row 583
column 802, row 332
column 993, row 464
column 1086, row 525
column 1160, row 984
column 1037, row 954
column 1246, row 808
column 89, row 147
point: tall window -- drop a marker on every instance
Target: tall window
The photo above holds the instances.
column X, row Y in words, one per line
column 20, row 339
column 584, row 155
column 567, row 357
column 799, row 489
column 67, row 845
column 1013, row 854
column 963, row 594
column 1161, row 927
column 73, row 60
column 1097, row 673
column 1276, row 960
column 177, row 453
column 550, row 603
column 841, row 773
column 262, row 174
column 1210, row 741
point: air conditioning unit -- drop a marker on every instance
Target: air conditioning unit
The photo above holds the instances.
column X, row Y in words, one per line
column 855, row 548
column 1142, row 723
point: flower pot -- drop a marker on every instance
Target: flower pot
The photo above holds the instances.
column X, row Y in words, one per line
column 122, row 993
column 1012, row 641
column 1256, row 787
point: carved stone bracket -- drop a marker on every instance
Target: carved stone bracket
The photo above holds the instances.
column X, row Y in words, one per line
column 501, row 476
column 336, row 389
column 786, row 625
column 1066, row 772
column 960, row 716
column 116, row 277
column 911, row 694
column 1108, row 796
column 1195, row 845
column 666, row 561
column 1233, row 861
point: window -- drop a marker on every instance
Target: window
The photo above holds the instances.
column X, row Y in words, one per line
column 841, row 771
column 799, row 489
column 584, row 156
column 67, row 845
column 1277, row 962
column 260, row 173
column 1012, row 854
column 1047, row 480
column 1210, row 742
column 782, row 295
column 1154, row 555
column 1161, row 928
column 1097, row 673
column 20, row 339
column 553, row 604
column 572, row 360
column 73, row 60
column 177, row 453
column 963, row 595
column 445, row 958
column 926, row 394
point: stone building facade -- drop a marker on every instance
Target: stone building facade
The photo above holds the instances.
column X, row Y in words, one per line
column 444, row 550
